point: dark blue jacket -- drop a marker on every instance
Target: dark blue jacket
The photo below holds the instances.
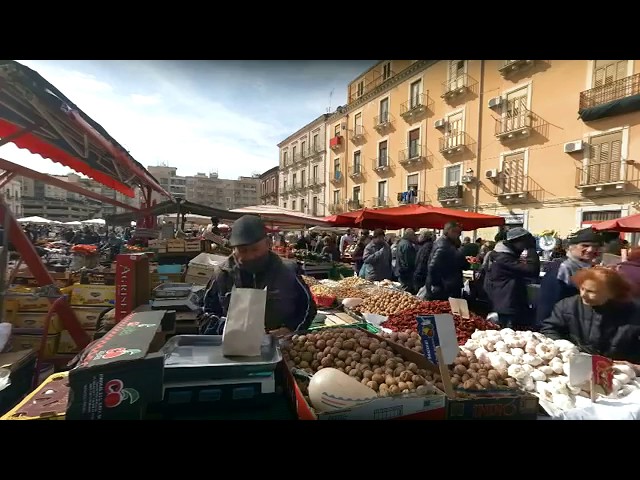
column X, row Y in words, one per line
column 552, row 290
column 289, row 301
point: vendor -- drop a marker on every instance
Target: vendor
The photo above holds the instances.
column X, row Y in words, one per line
column 602, row 319
column 584, row 248
column 290, row 305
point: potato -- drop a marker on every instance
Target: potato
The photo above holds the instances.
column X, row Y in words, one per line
column 354, row 364
column 402, row 385
column 439, row 386
column 304, row 364
column 383, row 390
column 406, row 375
column 348, row 368
column 469, row 385
column 315, row 364
column 375, row 358
column 483, row 372
column 340, row 364
column 422, row 390
column 364, row 381
column 485, row 382
column 354, row 372
column 326, row 362
column 356, row 356
column 389, row 380
column 391, row 363
column 398, row 370
column 388, row 371
column 455, row 382
column 372, row 385
column 349, row 345
column 394, row 389
column 366, row 353
column 383, row 344
column 378, row 370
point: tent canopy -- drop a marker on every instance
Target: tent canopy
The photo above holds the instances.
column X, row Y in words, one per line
column 168, row 207
column 34, row 220
column 282, row 216
column 420, row 216
column 630, row 223
column 36, row 116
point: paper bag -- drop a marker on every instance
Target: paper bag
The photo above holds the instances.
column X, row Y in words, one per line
column 244, row 329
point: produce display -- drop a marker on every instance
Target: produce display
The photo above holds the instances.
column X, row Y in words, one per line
column 406, row 320
column 310, row 281
column 389, row 302
column 353, row 282
column 310, row 257
column 370, row 360
column 540, row 365
column 338, row 292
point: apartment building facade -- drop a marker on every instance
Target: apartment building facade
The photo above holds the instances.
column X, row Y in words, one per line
column 501, row 137
column 302, row 169
column 269, row 182
column 222, row 193
column 12, row 196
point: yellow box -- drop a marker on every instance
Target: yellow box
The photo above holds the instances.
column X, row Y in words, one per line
column 66, row 343
column 35, row 320
column 57, row 382
column 88, row 316
column 32, row 342
column 28, row 303
column 94, row 295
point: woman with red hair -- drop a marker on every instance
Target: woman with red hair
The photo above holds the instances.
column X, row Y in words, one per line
column 630, row 269
column 603, row 319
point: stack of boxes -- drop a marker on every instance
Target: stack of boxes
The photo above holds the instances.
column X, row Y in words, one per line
column 175, row 245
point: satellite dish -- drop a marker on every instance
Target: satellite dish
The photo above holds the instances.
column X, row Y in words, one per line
column 547, row 243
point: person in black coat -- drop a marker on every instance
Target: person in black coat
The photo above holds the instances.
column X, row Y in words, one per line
column 444, row 271
column 602, row 319
column 422, row 259
column 406, row 260
column 507, row 277
column 583, row 249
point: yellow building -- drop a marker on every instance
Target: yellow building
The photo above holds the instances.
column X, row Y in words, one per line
column 501, row 137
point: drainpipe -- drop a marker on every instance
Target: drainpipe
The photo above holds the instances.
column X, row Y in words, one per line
column 345, row 168
column 476, row 200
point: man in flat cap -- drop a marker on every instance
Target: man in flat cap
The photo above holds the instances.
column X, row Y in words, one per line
column 290, row 306
column 583, row 251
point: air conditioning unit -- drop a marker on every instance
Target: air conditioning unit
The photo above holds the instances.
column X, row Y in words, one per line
column 495, row 102
column 440, row 123
column 572, row 147
column 468, row 178
column 491, row 174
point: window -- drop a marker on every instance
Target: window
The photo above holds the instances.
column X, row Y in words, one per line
column 285, row 158
column 302, row 205
column 386, row 71
column 383, row 160
column 293, row 204
column 414, row 143
column 412, row 182
column 293, row 153
column 453, row 175
column 357, row 165
column 302, row 179
column 384, row 111
column 336, row 166
column 315, row 142
column 513, row 173
column 454, row 131
column 605, row 159
column 360, row 88
column 336, row 197
column 284, row 205
column 357, row 124
column 515, row 114
column 608, row 71
column 456, row 74
column 284, row 184
column 382, row 194
column 314, row 178
column 414, row 92
column 355, row 198
column 336, row 131
column 314, row 206
column 601, row 216
column 293, row 181
column 303, row 148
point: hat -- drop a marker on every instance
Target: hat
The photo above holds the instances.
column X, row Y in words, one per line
column 517, row 232
column 586, row 235
column 247, row 230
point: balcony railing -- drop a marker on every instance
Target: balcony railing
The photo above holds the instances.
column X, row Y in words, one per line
column 601, row 174
column 300, row 185
column 315, row 182
column 609, row 92
column 457, row 86
column 335, row 142
column 378, row 80
column 315, row 150
column 336, row 176
column 453, row 192
column 335, row 208
column 512, row 187
column 381, row 163
column 298, row 158
column 380, row 202
column 452, row 143
column 411, row 197
column 354, row 204
column 511, row 126
column 413, row 154
column 415, row 105
column 357, row 133
column 383, row 121
column 510, row 66
column 356, row 170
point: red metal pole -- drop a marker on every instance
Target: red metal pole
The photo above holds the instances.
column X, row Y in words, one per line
column 42, row 276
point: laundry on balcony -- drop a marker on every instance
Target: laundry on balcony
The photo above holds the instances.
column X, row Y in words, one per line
column 409, row 196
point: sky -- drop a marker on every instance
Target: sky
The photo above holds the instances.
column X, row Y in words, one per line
column 199, row 116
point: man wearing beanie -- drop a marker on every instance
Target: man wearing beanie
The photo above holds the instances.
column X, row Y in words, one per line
column 584, row 249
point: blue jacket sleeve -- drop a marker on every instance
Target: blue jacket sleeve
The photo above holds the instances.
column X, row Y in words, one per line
column 211, row 304
column 305, row 310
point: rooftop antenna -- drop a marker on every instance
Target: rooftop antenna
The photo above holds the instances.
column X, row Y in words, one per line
column 330, row 97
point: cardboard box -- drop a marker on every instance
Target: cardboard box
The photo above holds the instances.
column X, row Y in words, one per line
column 66, row 343
column 88, row 317
column 119, row 374
column 47, row 402
column 94, row 295
column 132, row 283
column 36, row 320
column 399, row 407
column 21, row 366
column 33, row 341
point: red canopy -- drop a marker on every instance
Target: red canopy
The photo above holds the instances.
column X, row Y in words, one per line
column 624, row 224
column 420, row 216
column 347, row 219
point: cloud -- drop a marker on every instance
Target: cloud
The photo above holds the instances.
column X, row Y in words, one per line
column 139, row 99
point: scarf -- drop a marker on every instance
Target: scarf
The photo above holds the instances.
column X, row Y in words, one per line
column 569, row 267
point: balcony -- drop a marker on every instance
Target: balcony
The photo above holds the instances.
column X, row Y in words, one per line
column 615, row 98
column 356, row 170
column 512, row 188
column 509, row 67
column 382, row 123
column 315, row 151
column 453, row 143
column 413, row 155
column 315, row 182
column 357, row 133
column 516, row 126
column 451, row 195
column 374, row 81
column 411, row 197
column 298, row 158
column 380, row 202
column 354, row 204
column 336, row 177
column 301, row 185
column 607, row 178
column 456, row 87
column 336, row 208
column 414, row 107
column 335, row 142
column 381, row 164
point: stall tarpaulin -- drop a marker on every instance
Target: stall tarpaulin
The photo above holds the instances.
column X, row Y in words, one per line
column 347, row 219
column 630, row 223
column 420, row 216
column 281, row 216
